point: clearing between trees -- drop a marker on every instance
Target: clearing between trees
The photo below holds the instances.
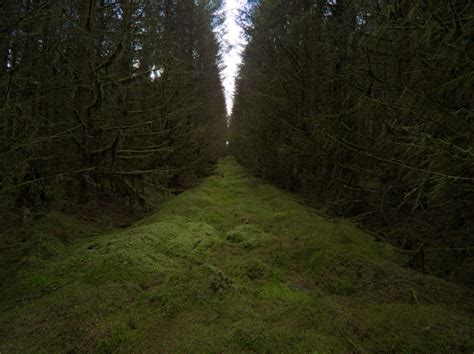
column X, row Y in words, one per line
column 233, row 265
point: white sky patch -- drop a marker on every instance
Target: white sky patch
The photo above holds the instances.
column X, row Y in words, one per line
column 232, row 49
column 155, row 72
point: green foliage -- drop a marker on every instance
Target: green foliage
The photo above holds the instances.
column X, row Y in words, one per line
column 177, row 282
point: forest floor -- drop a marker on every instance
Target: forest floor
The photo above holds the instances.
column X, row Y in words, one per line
column 232, row 265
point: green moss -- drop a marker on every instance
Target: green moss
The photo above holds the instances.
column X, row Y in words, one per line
column 119, row 335
column 255, row 269
column 282, row 292
column 249, row 236
column 231, row 265
column 410, row 329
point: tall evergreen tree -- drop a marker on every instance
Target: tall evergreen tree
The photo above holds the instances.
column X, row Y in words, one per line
column 100, row 98
column 366, row 106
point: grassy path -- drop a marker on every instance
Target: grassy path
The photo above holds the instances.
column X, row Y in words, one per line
column 233, row 265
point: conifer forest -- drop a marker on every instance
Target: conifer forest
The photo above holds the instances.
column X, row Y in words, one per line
column 319, row 198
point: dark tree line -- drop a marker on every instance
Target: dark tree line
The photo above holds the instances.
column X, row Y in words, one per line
column 366, row 106
column 101, row 98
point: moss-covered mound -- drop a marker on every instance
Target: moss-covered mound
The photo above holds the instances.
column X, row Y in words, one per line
column 233, row 265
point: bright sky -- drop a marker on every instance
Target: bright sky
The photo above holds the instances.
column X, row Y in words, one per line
column 232, row 51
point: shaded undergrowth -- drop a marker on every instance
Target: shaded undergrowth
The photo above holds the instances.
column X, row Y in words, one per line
column 231, row 265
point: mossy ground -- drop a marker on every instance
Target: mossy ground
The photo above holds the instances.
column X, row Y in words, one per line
column 233, row 265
